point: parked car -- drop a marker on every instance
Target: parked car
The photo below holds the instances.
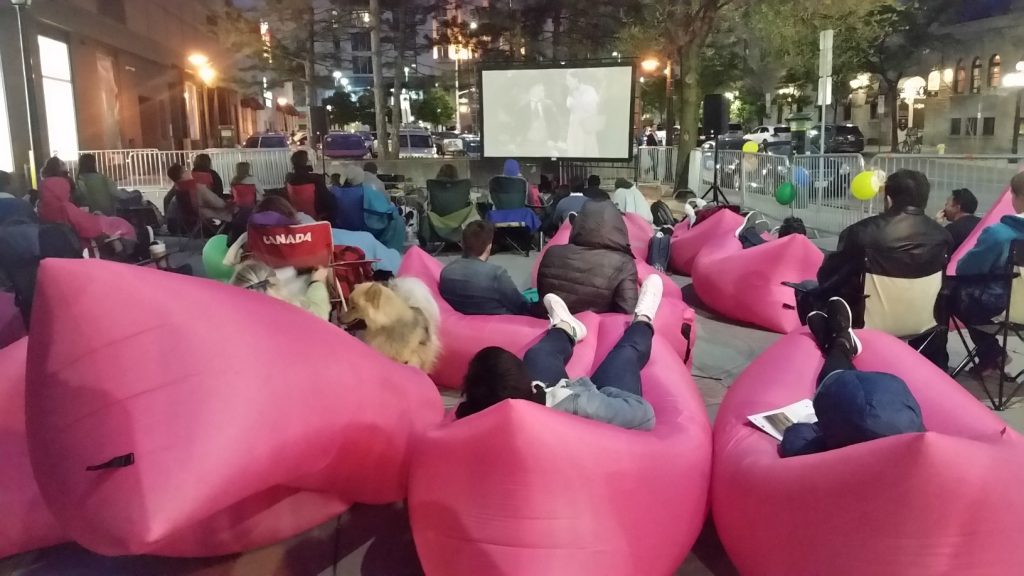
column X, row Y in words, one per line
column 341, row 145
column 413, row 143
column 471, row 145
column 267, row 140
column 763, row 134
column 839, row 139
column 440, row 138
column 735, row 130
column 368, row 138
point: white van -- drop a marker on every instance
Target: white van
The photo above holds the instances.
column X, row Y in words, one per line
column 413, row 143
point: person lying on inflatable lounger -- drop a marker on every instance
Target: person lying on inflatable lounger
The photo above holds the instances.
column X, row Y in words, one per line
column 852, row 406
column 612, row 395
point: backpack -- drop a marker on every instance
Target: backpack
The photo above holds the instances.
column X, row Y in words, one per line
column 659, row 250
column 792, row 225
column 662, row 214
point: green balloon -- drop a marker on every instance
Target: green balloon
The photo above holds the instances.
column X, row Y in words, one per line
column 785, row 194
column 213, row 259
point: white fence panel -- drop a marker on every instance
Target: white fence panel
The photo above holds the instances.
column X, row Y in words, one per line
column 986, row 176
column 656, row 164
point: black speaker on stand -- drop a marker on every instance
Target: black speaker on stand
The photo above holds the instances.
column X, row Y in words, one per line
column 319, row 126
column 716, row 122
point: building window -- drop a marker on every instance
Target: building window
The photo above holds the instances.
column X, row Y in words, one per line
column 954, row 126
column 976, row 76
column 113, row 9
column 362, row 65
column 847, row 112
column 960, row 80
column 995, row 71
column 58, row 97
column 6, row 148
column 972, row 127
column 874, row 110
column 360, row 41
column 988, row 127
column 337, row 44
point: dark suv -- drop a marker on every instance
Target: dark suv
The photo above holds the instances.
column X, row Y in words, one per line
column 841, row 138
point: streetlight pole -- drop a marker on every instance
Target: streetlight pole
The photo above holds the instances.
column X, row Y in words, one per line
column 1016, row 80
column 30, row 100
column 670, row 121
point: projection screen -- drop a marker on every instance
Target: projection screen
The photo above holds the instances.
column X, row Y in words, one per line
column 582, row 113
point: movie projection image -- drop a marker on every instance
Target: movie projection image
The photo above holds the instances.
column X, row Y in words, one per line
column 579, row 113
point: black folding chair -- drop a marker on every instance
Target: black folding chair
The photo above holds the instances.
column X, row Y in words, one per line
column 444, row 197
column 511, row 193
column 1010, row 321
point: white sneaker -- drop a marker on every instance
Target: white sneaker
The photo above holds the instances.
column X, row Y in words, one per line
column 697, row 203
column 559, row 314
column 650, row 299
column 691, row 214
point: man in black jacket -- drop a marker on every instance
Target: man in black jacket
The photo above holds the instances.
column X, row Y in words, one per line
column 902, row 242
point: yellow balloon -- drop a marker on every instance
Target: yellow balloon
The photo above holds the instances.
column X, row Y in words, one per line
column 750, row 147
column 865, row 185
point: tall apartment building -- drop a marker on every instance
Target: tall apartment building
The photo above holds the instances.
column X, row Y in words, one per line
column 115, row 74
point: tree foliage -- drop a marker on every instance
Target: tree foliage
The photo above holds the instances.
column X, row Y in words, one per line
column 435, row 108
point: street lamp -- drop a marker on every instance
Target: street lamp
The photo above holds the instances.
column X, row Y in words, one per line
column 26, row 59
column 472, row 25
column 650, row 64
column 1016, row 80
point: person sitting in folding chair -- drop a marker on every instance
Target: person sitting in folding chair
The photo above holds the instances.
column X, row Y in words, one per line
column 978, row 302
column 308, row 190
column 379, row 216
column 198, row 204
column 889, row 268
column 511, row 214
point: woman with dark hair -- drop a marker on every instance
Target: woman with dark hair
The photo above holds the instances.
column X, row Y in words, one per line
column 94, row 190
column 301, row 175
column 203, row 164
column 448, row 172
column 613, row 394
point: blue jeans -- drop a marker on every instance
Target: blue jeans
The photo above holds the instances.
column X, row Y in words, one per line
column 547, row 359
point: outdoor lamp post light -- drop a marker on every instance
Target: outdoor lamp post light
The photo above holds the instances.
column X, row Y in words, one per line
column 650, row 65
column 26, row 76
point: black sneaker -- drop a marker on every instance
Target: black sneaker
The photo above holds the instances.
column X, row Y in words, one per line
column 840, row 323
column 817, row 322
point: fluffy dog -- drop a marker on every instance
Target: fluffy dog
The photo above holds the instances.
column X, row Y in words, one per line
column 402, row 321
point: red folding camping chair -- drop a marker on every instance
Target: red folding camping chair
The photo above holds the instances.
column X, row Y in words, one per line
column 310, row 246
column 244, row 195
column 303, row 198
column 204, row 178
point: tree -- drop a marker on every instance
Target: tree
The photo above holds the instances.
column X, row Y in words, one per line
column 403, row 19
column 679, row 30
column 344, row 109
column 378, row 79
column 435, row 108
column 905, row 30
column 287, row 52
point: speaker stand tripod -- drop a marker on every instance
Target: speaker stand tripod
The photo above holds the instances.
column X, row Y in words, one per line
column 718, row 197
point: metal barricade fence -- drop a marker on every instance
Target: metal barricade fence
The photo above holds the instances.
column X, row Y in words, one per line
column 145, row 170
column 986, row 176
column 656, row 164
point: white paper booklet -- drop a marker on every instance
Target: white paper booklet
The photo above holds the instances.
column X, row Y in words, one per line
column 776, row 421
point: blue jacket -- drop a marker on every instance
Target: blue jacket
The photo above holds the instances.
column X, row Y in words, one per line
column 11, row 208
column 989, row 256
column 474, row 287
column 854, row 407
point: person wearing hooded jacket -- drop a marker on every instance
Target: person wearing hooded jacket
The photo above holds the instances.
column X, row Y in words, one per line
column 595, row 271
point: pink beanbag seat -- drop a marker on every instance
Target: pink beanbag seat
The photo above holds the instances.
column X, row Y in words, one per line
column 12, row 328
column 1003, row 207
column 249, row 420
column 688, row 242
column 27, row 524
column 463, row 336
column 522, row 489
column 746, row 285
column 943, row 502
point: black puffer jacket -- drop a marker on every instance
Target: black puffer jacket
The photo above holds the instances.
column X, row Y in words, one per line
column 595, row 271
column 899, row 243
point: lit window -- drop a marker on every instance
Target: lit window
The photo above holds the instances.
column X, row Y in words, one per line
column 192, row 110
column 6, row 148
column 995, row 71
column 58, row 97
column 976, row 76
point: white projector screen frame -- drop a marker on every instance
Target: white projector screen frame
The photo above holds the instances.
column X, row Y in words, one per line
column 507, row 97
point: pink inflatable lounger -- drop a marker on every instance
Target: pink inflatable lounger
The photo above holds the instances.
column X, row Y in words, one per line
column 746, row 285
column 27, row 524
column 522, row 489
column 463, row 336
column 943, row 502
column 1003, row 207
column 178, row 416
column 12, row 328
column 676, row 320
column 688, row 242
